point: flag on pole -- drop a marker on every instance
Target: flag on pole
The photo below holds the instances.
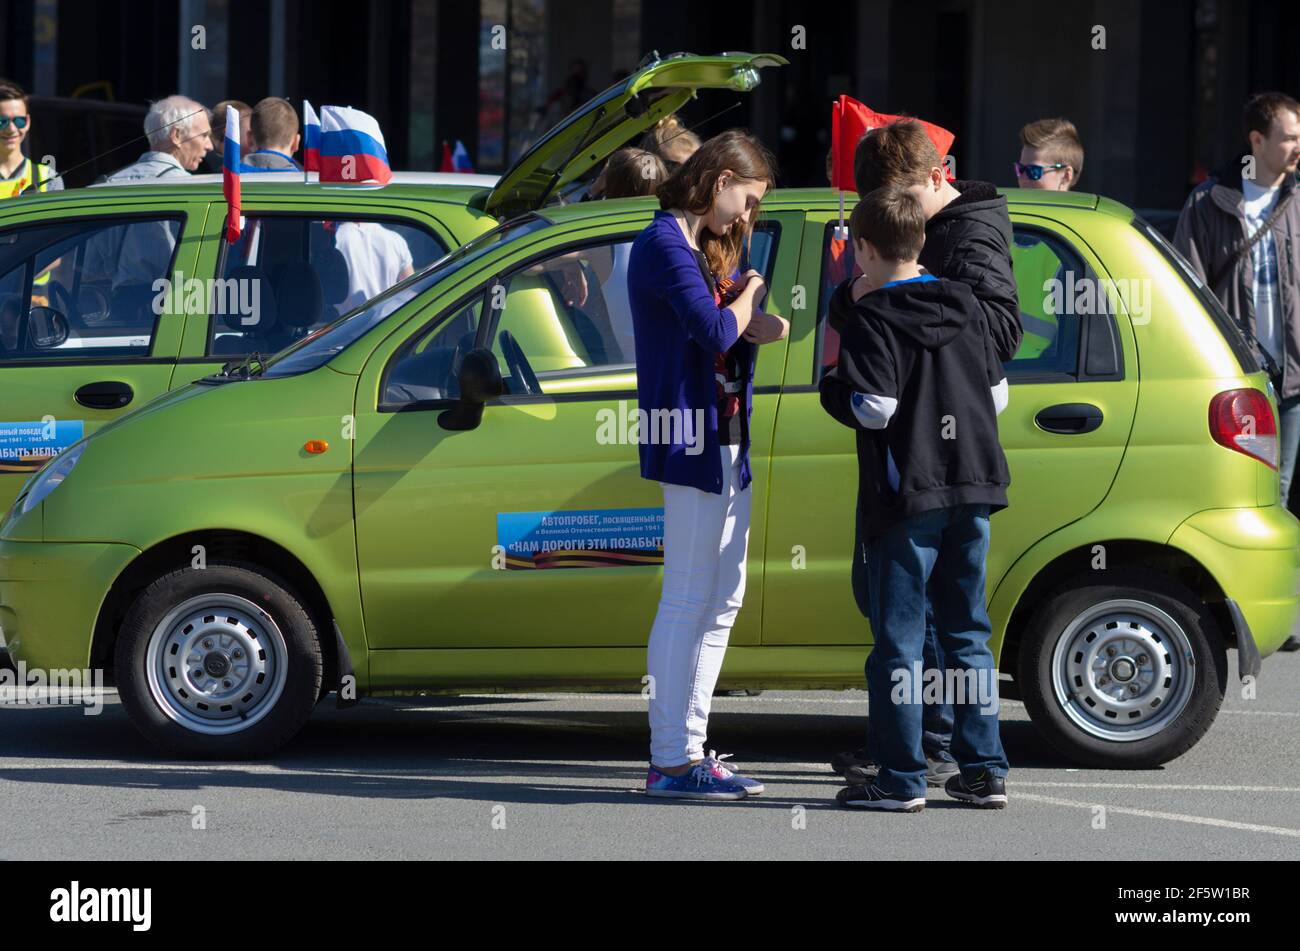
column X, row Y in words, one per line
column 311, row 138
column 230, row 175
column 850, row 121
column 352, row 147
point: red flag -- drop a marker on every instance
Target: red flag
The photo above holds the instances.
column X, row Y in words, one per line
column 448, row 163
column 851, row 120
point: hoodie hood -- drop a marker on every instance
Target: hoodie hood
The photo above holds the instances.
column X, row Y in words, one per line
column 978, row 200
column 931, row 313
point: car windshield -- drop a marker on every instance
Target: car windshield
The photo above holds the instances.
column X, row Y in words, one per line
column 318, row 349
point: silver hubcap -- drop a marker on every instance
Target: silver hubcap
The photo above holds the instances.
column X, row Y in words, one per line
column 217, row 664
column 1123, row 670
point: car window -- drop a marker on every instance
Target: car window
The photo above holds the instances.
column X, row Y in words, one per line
column 1048, row 276
column 100, row 278
column 559, row 325
column 288, row 276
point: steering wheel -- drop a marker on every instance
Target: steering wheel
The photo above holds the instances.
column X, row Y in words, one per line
column 520, row 368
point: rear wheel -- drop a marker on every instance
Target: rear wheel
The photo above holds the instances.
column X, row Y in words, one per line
column 1126, row 673
column 218, row 662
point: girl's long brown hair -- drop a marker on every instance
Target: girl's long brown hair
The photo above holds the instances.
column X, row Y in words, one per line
column 693, row 187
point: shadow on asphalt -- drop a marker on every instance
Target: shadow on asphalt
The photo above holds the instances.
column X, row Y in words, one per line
column 440, row 750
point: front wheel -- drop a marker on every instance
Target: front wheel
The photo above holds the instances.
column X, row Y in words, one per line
column 1128, row 673
column 218, row 662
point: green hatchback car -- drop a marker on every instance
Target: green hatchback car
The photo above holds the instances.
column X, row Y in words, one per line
column 440, row 492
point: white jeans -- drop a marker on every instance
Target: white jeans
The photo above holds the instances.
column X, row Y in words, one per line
column 706, row 537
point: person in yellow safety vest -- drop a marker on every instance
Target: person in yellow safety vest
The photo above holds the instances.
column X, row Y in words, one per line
column 1051, row 157
column 17, row 171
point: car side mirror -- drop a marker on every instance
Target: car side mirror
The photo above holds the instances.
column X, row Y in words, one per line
column 47, row 328
column 480, row 381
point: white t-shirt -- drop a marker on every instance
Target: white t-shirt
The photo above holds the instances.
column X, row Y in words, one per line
column 617, row 303
column 376, row 257
column 1260, row 203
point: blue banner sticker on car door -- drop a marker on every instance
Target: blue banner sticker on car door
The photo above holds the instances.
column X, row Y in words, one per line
column 25, row 447
column 582, row 538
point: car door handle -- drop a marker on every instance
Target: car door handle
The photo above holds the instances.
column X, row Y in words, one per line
column 107, row 394
column 1069, row 419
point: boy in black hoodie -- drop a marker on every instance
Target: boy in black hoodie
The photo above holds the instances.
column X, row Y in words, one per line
column 920, row 381
column 967, row 239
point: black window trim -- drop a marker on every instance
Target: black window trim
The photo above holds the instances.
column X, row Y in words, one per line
column 151, row 357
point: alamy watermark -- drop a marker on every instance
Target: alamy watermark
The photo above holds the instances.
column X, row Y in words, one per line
column 660, row 427
column 57, row 687
column 951, row 685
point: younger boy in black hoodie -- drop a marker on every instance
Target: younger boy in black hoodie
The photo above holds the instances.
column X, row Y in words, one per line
column 920, row 380
column 967, row 239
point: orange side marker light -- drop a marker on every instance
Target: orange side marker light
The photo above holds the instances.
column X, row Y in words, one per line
column 316, row 446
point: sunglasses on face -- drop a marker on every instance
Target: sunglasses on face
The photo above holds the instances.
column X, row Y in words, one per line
column 1036, row 172
column 20, row 122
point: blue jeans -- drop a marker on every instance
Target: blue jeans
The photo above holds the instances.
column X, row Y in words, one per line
column 1288, row 441
column 936, row 718
column 938, row 557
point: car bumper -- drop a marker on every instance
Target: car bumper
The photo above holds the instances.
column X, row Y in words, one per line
column 50, row 596
column 1254, row 555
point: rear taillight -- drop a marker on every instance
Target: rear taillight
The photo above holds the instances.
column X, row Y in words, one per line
column 1243, row 420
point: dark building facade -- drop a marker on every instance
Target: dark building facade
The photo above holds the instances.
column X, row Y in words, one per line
column 1155, row 86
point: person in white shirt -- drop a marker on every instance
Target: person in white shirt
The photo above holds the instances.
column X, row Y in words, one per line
column 377, row 258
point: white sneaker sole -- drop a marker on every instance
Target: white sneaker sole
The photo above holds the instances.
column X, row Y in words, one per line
column 677, row 794
column 998, row 801
column 887, row 805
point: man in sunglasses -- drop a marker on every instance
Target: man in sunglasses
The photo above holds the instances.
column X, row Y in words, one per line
column 1051, row 155
column 17, row 171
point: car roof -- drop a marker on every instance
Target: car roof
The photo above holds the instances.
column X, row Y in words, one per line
column 823, row 198
column 452, row 188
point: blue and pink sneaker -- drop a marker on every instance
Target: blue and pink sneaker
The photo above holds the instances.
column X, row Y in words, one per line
column 752, row 786
column 704, row 780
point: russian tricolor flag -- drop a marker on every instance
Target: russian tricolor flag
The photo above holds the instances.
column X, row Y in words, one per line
column 311, row 138
column 455, row 161
column 230, row 175
column 352, row 147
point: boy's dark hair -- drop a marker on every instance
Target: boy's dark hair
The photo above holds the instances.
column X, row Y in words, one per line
column 892, row 220
column 1059, row 139
column 274, row 122
column 896, row 154
column 1263, row 108
column 11, row 90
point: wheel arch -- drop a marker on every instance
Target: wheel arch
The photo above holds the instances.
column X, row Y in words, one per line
column 218, row 544
column 1173, row 563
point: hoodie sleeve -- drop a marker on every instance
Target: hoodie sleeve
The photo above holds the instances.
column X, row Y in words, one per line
column 980, row 258
column 997, row 377
column 862, row 391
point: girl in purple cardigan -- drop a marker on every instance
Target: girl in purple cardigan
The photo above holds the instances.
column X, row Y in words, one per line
column 697, row 328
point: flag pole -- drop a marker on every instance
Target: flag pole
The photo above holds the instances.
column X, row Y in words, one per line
column 306, row 106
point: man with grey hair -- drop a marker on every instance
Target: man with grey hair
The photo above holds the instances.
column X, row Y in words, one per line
column 179, row 136
column 130, row 257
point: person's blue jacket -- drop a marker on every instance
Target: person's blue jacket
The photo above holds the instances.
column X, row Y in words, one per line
column 679, row 329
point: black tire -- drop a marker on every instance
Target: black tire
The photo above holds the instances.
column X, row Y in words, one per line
column 1148, row 603
column 285, row 702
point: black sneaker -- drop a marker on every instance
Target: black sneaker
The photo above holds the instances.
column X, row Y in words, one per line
column 1291, row 644
column 937, row 772
column 985, row 791
column 872, row 796
column 841, row 763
